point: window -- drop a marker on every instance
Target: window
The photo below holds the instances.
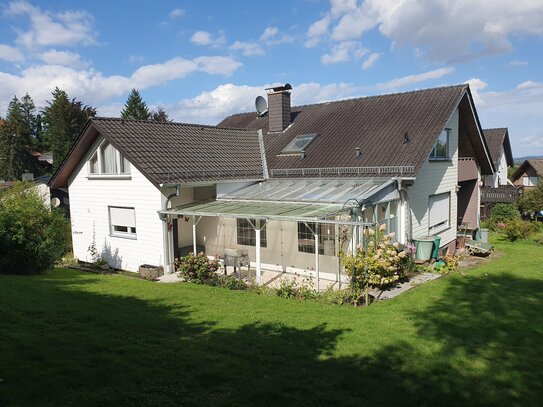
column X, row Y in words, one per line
column 441, row 148
column 529, row 181
column 122, row 222
column 438, row 212
column 306, row 238
column 108, row 161
column 298, row 144
column 247, row 234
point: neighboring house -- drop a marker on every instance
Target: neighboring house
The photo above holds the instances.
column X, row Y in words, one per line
column 529, row 174
column 290, row 185
column 501, row 154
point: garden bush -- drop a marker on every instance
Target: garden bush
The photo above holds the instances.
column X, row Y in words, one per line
column 230, row 282
column 32, row 236
column 519, row 229
column 503, row 212
column 379, row 262
column 198, row 268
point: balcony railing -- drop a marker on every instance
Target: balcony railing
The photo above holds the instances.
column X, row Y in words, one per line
column 504, row 194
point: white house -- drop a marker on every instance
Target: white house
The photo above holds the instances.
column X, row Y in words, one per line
column 499, row 147
column 289, row 184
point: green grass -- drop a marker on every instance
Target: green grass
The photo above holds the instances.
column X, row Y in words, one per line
column 71, row 338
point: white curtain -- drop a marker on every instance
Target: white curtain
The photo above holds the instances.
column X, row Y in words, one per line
column 109, row 159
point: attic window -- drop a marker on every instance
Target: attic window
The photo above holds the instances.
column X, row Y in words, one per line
column 107, row 161
column 441, row 148
column 299, row 144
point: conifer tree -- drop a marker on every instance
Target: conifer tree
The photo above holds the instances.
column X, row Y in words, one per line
column 159, row 115
column 15, row 143
column 63, row 120
column 135, row 107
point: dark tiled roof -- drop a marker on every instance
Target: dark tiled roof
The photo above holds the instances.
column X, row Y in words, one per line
column 538, row 165
column 495, row 138
column 376, row 124
column 535, row 163
column 172, row 152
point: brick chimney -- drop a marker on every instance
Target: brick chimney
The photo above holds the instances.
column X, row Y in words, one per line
column 279, row 107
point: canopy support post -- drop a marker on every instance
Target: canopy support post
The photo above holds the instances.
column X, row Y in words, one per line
column 194, row 223
column 258, row 264
column 317, row 260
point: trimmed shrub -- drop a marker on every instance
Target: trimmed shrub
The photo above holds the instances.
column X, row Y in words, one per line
column 198, row 269
column 32, row 236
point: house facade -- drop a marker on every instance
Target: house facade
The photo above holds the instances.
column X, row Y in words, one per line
column 293, row 186
column 529, row 174
column 499, row 147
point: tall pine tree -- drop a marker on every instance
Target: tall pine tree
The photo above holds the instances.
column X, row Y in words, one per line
column 15, row 143
column 135, row 107
column 62, row 121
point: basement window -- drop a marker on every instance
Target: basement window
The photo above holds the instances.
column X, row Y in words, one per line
column 122, row 222
column 299, row 144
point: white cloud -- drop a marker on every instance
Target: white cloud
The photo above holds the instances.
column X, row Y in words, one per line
column 206, row 38
column 316, row 31
column 271, row 36
column 67, row 28
column 518, row 109
column 343, row 52
column 478, row 28
column 371, row 60
column 412, row 79
column 210, row 107
column 95, row 88
column 65, row 58
column 10, row 54
column 518, row 63
column 177, row 12
column 247, row 48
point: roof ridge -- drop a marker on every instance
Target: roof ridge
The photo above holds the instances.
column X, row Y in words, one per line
column 104, row 118
column 350, row 99
column 496, row 128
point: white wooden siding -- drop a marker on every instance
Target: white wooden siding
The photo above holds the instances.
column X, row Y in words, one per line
column 89, row 201
column 436, row 177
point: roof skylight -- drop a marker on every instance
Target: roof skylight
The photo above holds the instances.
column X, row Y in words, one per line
column 298, row 144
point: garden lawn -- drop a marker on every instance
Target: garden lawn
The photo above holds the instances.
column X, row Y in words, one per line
column 71, row 338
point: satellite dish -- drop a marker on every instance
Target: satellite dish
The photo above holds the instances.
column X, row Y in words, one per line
column 261, row 105
column 55, row 202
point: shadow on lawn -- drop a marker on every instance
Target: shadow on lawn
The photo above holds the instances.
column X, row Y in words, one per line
column 94, row 349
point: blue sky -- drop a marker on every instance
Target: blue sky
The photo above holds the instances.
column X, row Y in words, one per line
column 202, row 60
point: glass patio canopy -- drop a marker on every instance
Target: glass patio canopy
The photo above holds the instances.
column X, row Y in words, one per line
column 293, row 200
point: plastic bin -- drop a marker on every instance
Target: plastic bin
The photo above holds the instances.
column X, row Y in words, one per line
column 484, row 235
column 425, row 246
column 435, row 251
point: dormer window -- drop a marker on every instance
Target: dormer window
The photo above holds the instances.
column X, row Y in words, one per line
column 299, row 144
column 106, row 160
column 441, row 148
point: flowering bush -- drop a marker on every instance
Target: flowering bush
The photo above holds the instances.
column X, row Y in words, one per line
column 378, row 263
column 198, row 268
column 519, row 229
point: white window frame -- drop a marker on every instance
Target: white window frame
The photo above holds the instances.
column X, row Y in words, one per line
column 433, row 154
column 120, row 161
column 306, row 236
column 442, row 225
column 131, row 230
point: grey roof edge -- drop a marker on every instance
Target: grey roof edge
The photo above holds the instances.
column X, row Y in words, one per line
column 209, row 126
column 265, row 173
